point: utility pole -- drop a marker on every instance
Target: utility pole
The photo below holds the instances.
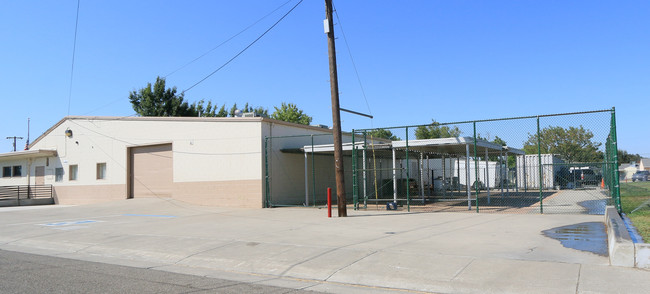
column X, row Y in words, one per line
column 336, row 112
column 14, row 138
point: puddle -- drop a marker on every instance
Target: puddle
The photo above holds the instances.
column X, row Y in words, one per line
column 590, row 237
column 594, row 206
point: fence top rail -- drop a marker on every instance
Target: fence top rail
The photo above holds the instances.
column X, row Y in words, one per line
column 488, row 120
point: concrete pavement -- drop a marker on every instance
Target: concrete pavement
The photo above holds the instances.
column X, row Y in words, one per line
column 30, row 273
column 300, row 248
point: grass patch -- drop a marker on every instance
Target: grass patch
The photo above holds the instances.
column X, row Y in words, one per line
column 635, row 203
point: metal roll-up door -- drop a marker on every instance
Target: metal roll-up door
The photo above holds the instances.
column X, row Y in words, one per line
column 151, row 171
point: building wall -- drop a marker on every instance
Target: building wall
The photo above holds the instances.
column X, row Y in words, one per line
column 14, row 180
column 215, row 161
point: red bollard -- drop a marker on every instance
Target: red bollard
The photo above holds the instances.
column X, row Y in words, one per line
column 329, row 202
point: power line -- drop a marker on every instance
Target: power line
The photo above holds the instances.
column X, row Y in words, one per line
column 202, row 55
column 74, row 49
column 242, row 51
column 226, row 41
column 352, row 59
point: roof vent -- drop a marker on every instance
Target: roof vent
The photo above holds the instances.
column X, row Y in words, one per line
column 253, row 114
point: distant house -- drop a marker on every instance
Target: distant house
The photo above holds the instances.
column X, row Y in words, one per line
column 626, row 170
column 644, row 164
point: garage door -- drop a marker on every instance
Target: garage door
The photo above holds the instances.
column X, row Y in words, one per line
column 151, row 173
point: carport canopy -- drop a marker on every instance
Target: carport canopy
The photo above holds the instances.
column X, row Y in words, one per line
column 454, row 146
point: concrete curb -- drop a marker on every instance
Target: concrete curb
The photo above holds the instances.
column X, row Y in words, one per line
column 619, row 242
column 26, row 202
column 642, row 255
column 622, row 250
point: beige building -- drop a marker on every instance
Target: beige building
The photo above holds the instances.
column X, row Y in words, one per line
column 210, row 161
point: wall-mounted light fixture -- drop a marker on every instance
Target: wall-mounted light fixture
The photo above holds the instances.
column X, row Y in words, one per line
column 68, row 133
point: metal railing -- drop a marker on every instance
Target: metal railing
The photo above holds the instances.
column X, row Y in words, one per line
column 19, row 192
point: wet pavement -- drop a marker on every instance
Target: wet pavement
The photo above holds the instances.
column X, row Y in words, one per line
column 594, row 206
column 589, row 236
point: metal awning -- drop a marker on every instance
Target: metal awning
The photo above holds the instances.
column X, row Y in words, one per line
column 455, row 145
column 347, row 147
column 38, row 153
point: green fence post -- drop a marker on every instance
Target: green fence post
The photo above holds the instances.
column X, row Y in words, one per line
column 617, row 191
column 365, row 170
column 476, row 185
column 355, row 184
column 408, row 174
column 267, row 200
column 539, row 166
column 313, row 173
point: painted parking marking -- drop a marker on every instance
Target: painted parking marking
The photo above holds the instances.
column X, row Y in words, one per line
column 70, row 223
column 149, row 215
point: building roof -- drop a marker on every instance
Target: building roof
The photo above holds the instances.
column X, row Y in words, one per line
column 626, row 165
column 175, row 119
column 28, row 154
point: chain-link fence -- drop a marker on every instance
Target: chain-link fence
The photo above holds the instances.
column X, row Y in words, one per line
column 561, row 163
column 299, row 168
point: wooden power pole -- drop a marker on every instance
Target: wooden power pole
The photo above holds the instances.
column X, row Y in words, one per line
column 14, row 138
column 336, row 112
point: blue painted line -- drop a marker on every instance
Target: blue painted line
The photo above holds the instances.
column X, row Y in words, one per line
column 69, row 223
column 634, row 234
column 149, row 215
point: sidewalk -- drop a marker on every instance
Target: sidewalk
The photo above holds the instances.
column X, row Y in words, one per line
column 368, row 252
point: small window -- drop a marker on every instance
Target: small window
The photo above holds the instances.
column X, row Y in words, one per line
column 18, row 171
column 58, row 174
column 6, row 171
column 74, row 169
column 101, row 171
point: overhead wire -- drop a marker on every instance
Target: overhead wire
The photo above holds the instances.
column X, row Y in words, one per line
column 243, row 50
column 227, row 40
column 74, row 49
column 202, row 55
column 345, row 40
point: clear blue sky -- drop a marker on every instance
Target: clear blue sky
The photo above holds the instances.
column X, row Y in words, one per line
column 417, row 60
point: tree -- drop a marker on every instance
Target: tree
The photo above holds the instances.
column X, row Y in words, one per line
column 382, row 133
column 289, row 112
column 197, row 109
column 222, row 111
column 258, row 110
column 435, row 130
column 624, row 157
column 499, row 141
column 162, row 101
column 159, row 101
column 572, row 144
column 232, row 111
